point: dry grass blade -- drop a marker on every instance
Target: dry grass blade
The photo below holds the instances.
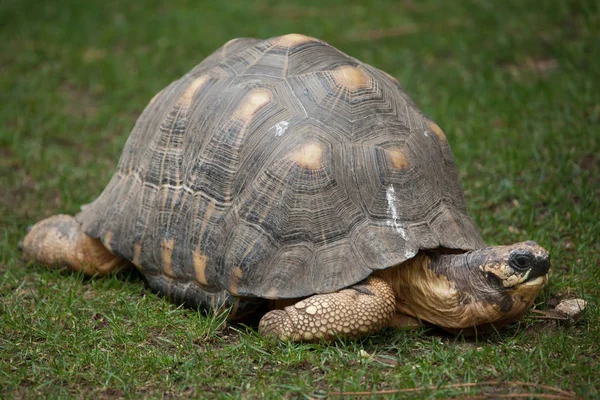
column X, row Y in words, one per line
column 540, row 314
column 559, row 393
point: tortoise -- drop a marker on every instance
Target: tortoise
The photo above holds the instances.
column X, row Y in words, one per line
column 283, row 177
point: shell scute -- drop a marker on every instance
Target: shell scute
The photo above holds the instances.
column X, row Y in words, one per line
column 279, row 169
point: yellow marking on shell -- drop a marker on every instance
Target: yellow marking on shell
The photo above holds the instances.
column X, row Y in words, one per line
column 166, row 248
column 393, row 79
column 224, row 51
column 292, row 39
column 437, row 130
column 189, row 93
column 397, row 158
column 137, row 251
column 210, row 208
column 309, row 156
column 235, row 307
column 107, row 239
column 231, row 41
column 235, row 277
column 252, row 103
column 351, row 78
column 200, row 267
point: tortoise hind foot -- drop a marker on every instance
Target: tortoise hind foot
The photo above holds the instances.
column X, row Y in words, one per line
column 354, row 312
column 59, row 241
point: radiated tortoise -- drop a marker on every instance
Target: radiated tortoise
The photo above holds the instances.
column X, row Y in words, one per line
column 283, row 176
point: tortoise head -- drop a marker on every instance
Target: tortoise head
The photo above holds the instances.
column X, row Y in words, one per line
column 478, row 290
column 510, row 278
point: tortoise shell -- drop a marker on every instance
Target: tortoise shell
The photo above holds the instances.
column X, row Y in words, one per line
column 280, row 169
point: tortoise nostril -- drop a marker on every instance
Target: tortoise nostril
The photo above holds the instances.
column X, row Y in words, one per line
column 544, row 265
column 539, row 267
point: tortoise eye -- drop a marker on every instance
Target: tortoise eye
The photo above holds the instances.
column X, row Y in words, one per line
column 520, row 260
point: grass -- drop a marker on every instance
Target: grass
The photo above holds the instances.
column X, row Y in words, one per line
column 514, row 84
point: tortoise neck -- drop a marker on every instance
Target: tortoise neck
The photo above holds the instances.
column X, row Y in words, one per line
column 435, row 287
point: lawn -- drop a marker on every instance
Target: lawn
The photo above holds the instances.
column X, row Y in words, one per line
column 515, row 86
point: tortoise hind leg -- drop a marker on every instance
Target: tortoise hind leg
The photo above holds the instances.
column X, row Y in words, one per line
column 60, row 241
column 354, row 312
column 191, row 295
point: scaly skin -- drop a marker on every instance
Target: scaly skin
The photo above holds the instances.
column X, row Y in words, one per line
column 354, row 312
column 59, row 241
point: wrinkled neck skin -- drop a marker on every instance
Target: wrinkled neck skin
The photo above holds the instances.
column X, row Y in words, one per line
column 450, row 290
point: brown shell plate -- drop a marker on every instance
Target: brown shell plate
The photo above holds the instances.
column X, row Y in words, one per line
column 279, row 169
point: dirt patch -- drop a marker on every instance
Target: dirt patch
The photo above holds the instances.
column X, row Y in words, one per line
column 111, row 393
column 187, row 392
column 589, row 162
column 100, row 321
column 541, row 66
column 5, row 153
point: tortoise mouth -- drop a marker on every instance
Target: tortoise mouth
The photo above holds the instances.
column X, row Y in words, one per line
column 539, row 280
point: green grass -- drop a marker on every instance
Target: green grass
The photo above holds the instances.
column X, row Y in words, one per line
column 514, row 84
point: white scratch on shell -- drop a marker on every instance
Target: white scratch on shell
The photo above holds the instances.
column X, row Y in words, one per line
column 281, row 127
column 410, row 253
column 426, row 134
column 390, row 195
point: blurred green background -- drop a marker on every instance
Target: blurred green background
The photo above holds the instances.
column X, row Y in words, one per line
column 514, row 85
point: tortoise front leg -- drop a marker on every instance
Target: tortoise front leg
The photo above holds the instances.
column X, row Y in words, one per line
column 354, row 312
column 59, row 241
